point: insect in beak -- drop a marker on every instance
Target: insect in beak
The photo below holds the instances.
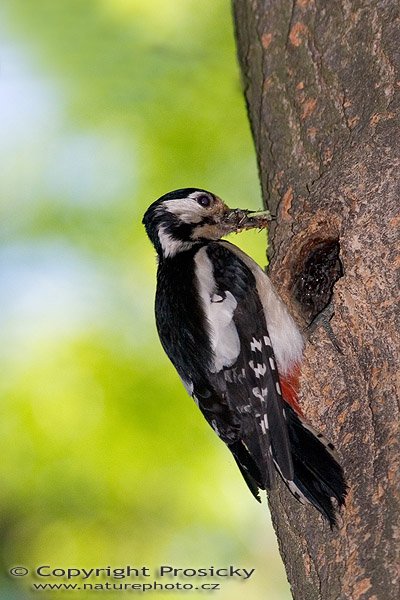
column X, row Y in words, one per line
column 238, row 220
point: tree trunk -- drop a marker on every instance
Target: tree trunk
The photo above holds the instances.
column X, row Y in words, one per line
column 322, row 86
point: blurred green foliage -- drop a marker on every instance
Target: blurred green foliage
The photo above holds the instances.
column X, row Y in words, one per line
column 106, row 105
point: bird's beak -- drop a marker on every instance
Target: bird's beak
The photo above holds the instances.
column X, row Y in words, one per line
column 236, row 219
column 226, row 220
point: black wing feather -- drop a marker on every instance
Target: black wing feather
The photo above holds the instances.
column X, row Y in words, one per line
column 250, row 385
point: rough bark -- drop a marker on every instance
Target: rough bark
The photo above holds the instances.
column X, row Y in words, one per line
column 322, row 86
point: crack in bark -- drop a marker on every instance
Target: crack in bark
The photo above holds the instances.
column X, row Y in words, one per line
column 291, row 18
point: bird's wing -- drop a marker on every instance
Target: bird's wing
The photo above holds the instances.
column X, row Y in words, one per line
column 243, row 383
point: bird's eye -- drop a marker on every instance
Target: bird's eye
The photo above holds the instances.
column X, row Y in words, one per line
column 204, row 200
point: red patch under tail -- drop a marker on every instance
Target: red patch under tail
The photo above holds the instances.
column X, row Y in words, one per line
column 290, row 384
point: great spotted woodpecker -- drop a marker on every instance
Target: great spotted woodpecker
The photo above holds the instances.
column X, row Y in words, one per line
column 236, row 348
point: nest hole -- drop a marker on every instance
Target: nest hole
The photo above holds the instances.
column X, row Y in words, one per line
column 318, row 270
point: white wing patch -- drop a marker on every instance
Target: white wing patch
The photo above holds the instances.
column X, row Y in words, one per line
column 286, row 338
column 219, row 311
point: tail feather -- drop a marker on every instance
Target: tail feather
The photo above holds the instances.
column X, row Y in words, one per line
column 318, row 475
column 318, row 478
column 248, row 468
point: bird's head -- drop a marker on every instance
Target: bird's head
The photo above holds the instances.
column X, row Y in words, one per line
column 180, row 219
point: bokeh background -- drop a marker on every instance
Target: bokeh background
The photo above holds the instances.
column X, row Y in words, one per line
column 104, row 106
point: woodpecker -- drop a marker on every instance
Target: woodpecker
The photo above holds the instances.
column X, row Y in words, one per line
column 235, row 347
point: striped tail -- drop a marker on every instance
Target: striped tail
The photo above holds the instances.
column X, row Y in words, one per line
column 318, row 476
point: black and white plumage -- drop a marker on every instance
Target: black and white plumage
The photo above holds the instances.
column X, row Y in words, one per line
column 236, row 348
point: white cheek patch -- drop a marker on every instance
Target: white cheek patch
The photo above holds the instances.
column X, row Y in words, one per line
column 219, row 311
column 186, row 209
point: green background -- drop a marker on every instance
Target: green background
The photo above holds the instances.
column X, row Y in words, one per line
column 106, row 105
